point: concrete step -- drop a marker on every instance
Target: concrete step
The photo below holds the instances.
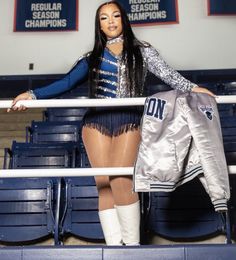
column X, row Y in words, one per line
column 1, row 158
column 29, row 111
column 12, row 126
column 20, row 117
column 7, row 142
column 12, row 133
column 24, row 116
column 1, row 162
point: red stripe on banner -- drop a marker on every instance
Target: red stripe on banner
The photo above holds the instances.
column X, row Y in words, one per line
column 14, row 22
column 208, row 7
column 177, row 11
column 77, row 16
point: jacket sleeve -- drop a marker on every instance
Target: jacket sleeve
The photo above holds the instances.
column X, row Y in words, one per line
column 204, row 125
column 77, row 74
column 156, row 64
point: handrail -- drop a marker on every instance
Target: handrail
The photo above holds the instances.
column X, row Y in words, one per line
column 75, row 172
column 87, row 102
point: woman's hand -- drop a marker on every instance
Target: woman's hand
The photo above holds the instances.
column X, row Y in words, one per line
column 203, row 90
column 23, row 96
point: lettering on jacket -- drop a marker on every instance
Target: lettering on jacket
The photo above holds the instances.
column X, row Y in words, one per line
column 155, row 107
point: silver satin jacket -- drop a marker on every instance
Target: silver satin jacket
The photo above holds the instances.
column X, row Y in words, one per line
column 181, row 139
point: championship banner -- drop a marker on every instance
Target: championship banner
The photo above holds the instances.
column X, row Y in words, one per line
column 45, row 15
column 221, row 7
column 151, row 12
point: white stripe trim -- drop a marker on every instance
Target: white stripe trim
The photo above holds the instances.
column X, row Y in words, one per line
column 107, row 90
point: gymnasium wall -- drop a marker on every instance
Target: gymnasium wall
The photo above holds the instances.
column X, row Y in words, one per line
column 198, row 42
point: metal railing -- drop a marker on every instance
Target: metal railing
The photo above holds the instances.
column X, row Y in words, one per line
column 75, row 172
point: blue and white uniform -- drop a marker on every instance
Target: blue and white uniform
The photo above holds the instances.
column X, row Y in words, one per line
column 112, row 83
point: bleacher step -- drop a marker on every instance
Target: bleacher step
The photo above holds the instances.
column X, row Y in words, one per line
column 10, row 133
column 12, row 127
column 19, row 117
column 8, row 126
column 6, row 142
column 29, row 111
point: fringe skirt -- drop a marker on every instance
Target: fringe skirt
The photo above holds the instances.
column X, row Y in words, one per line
column 113, row 121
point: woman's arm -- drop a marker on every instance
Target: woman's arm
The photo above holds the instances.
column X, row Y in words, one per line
column 73, row 77
column 77, row 74
column 157, row 65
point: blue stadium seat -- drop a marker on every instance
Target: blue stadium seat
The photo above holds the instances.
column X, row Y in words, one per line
column 31, row 156
column 186, row 213
column 230, row 87
column 51, row 132
column 80, row 208
column 64, row 133
column 226, row 110
column 80, row 215
column 26, row 210
column 228, row 126
column 64, row 114
column 229, row 136
column 232, row 205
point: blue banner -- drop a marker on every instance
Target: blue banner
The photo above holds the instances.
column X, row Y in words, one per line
column 46, row 15
column 151, row 12
column 221, row 7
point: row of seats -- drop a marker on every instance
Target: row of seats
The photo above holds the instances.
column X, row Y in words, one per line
column 42, row 207
column 56, row 207
column 74, row 209
column 69, row 205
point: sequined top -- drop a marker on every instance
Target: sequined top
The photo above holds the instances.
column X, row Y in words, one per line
column 112, row 81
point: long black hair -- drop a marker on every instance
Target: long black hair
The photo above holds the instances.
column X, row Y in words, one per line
column 131, row 53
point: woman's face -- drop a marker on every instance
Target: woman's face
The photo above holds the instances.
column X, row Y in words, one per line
column 110, row 21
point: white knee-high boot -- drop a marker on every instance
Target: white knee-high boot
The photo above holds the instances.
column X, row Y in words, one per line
column 129, row 217
column 110, row 226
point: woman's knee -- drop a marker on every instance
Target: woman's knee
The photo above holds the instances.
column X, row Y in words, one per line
column 102, row 182
column 120, row 181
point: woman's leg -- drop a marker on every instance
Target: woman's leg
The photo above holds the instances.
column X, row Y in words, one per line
column 116, row 151
column 124, row 152
column 98, row 149
column 120, row 151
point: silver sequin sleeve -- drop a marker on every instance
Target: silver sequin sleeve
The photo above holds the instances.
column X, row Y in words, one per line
column 162, row 70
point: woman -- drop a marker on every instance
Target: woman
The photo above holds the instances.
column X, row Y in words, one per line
column 116, row 68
